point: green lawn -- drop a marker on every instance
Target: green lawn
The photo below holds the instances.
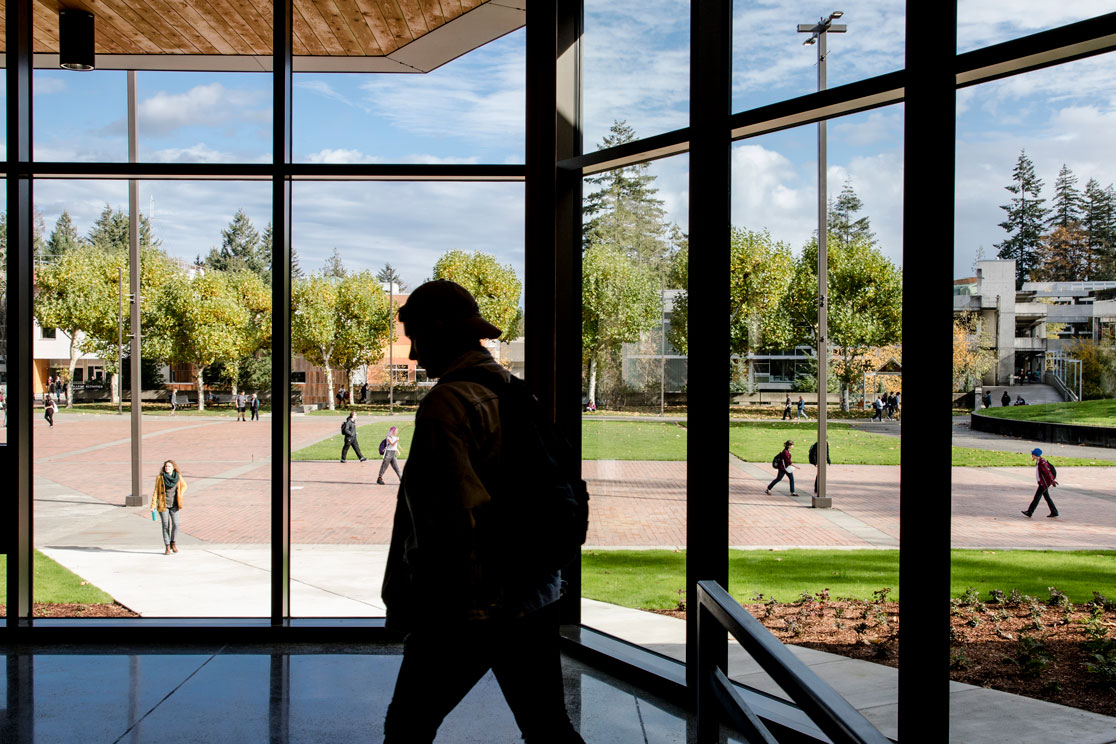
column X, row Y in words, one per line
column 632, row 440
column 653, row 579
column 1088, row 412
column 55, row 584
column 759, row 442
column 369, row 437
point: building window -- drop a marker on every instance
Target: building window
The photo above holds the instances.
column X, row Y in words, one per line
column 49, row 332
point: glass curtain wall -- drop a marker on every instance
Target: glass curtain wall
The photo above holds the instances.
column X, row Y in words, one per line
column 362, row 248
column 635, row 375
column 1034, row 198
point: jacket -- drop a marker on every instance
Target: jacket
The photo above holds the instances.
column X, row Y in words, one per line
column 1045, row 474
column 784, row 460
column 348, row 429
column 436, row 568
column 159, row 498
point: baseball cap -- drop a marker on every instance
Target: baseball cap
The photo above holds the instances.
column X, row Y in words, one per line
column 445, row 303
column 1037, row 452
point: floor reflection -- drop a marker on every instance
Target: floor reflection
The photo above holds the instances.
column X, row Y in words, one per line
column 282, row 695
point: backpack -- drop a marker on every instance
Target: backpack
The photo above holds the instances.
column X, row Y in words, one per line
column 777, row 461
column 538, row 517
column 383, row 446
column 1053, row 470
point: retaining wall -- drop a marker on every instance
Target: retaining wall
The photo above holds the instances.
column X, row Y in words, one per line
column 1042, row 431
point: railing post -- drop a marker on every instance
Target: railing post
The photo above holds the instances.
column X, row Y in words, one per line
column 708, row 630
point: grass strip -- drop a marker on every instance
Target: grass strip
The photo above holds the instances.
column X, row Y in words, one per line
column 55, row 584
column 632, row 440
column 1085, row 413
column 369, row 437
column 655, row 579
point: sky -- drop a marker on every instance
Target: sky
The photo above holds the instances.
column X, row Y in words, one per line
column 636, row 60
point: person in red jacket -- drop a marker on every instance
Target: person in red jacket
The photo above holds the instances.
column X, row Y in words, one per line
column 785, row 467
column 1044, row 473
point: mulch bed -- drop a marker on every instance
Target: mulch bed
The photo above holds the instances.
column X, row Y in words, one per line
column 68, row 609
column 1020, row 645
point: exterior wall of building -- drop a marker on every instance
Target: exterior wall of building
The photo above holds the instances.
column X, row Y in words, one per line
column 996, row 282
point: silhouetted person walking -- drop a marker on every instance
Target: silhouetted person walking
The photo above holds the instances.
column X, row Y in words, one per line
column 463, row 615
column 349, row 431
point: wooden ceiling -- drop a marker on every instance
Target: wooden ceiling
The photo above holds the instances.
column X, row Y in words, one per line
column 322, row 28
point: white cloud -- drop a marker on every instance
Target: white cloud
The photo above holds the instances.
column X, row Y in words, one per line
column 324, row 89
column 46, row 86
column 202, row 105
column 196, row 153
column 340, row 156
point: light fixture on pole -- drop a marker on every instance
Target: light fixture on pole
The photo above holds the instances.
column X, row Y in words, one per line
column 818, row 32
column 75, row 39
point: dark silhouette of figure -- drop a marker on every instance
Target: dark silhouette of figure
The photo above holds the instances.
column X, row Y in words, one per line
column 349, row 431
column 462, row 615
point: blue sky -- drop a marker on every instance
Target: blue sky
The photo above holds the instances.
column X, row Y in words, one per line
column 636, row 68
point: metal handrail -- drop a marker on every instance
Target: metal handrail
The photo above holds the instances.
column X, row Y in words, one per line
column 718, row 612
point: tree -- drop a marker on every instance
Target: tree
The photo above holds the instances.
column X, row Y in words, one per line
column 63, row 238
column 865, row 306
column 254, row 296
column 314, row 323
column 363, row 320
column 112, row 229
column 1067, row 203
column 840, row 221
column 1026, row 216
column 241, row 249
column 971, row 359
column 1066, row 255
column 199, row 320
column 623, row 211
column 389, row 275
column 1098, row 220
column 333, row 265
column 495, row 287
column 620, row 300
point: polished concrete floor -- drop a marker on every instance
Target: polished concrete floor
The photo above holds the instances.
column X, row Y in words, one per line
column 280, row 695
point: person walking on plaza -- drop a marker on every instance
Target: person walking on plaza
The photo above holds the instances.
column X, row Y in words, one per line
column 363, row 392
column 391, row 450
column 1045, row 474
column 1005, row 399
column 463, row 611
column 782, row 461
column 241, row 405
column 174, row 401
column 877, row 409
column 802, row 409
column 167, row 502
column 254, row 406
column 349, row 431
column 49, row 409
column 787, row 408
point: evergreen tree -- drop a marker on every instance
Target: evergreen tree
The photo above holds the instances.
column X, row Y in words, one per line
column 111, row 231
column 64, row 237
column 1099, row 223
column 841, row 224
column 1066, row 255
column 1026, row 216
column 623, row 212
column 1067, row 205
column 333, row 266
column 241, row 249
column 390, row 274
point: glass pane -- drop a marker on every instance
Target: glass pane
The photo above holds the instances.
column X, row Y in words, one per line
column 771, row 63
column 1035, row 274
column 982, row 23
column 470, row 110
column 817, row 563
column 361, row 246
column 635, row 366
column 205, row 311
column 637, row 67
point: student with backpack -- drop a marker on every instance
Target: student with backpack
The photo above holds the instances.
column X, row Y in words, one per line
column 389, row 448
column 349, row 431
column 782, row 463
column 486, row 516
column 814, row 460
column 1047, row 476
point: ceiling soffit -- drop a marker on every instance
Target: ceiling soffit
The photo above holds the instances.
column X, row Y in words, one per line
column 235, row 35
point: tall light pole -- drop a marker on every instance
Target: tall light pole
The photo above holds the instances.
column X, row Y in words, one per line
column 818, row 32
column 135, row 497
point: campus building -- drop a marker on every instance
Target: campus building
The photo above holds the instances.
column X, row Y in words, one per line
column 1024, row 327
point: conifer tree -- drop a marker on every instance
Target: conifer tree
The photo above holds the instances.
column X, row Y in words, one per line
column 334, row 267
column 1099, row 223
column 111, row 231
column 64, row 237
column 241, row 249
column 1026, row 217
column 390, row 274
column 841, row 224
column 1067, row 204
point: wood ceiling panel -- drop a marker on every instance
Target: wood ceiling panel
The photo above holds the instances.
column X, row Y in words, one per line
column 341, row 32
column 354, row 16
column 432, row 13
column 322, row 28
column 414, row 18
